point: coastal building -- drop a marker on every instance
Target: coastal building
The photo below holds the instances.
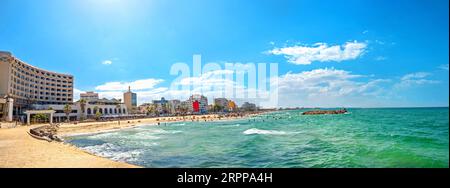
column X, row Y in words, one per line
column 222, row 103
column 210, row 108
column 90, row 95
column 248, row 106
column 185, row 107
column 232, row 107
column 23, row 85
column 147, row 108
column 130, row 100
column 199, row 104
column 162, row 106
column 174, row 106
column 6, row 109
column 106, row 108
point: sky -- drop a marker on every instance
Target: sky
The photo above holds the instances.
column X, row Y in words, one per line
column 330, row 53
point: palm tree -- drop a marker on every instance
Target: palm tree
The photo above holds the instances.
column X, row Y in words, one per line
column 82, row 107
column 67, row 111
column 184, row 109
column 97, row 113
column 117, row 107
column 149, row 109
column 165, row 108
column 41, row 117
column 95, row 109
column 217, row 108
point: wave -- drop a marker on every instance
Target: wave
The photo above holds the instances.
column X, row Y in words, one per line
column 106, row 134
column 144, row 136
column 162, row 131
column 233, row 125
column 260, row 131
column 113, row 152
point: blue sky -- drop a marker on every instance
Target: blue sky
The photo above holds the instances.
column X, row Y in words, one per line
column 398, row 52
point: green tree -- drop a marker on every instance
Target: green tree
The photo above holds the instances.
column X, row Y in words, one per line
column 98, row 115
column 150, row 109
column 165, row 108
column 41, row 117
column 82, row 107
column 117, row 107
column 217, row 108
column 67, row 111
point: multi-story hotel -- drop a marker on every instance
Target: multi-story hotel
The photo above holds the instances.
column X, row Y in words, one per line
column 222, row 102
column 26, row 85
column 199, row 103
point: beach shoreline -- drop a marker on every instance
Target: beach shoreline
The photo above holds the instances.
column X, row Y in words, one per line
column 20, row 150
column 71, row 129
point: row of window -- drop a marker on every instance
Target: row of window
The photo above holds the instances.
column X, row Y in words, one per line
column 26, row 90
column 52, row 102
column 37, row 86
column 62, row 111
column 90, row 111
column 48, row 80
column 41, row 97
column 22, row 65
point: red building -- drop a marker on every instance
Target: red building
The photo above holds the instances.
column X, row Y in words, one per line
column 196, row 106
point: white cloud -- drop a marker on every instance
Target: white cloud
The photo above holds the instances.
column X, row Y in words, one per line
column 211, row 78
column 107, row 62
column 76, row 94
column 325, row 87
column 380, row 58
column 135, row 85
column 380, row 42
column 365, row 31
column 444, row 67
column 319, row 87
column 304, row 55
column 418, row 78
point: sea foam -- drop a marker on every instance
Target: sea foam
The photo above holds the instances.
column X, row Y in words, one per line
column 113, row 152
column 259, row 131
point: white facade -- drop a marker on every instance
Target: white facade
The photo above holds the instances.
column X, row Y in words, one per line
column 203, row 103
column 90, row 95
column 89, row 112
column 174, row 105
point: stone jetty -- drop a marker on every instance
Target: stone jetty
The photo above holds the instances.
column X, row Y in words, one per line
column 319, row 112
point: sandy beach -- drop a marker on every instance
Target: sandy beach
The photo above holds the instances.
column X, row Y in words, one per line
column 20, row 150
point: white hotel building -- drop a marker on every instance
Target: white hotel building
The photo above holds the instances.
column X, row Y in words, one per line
column 24, row 87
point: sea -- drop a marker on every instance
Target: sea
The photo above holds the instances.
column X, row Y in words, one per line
column 361, row 138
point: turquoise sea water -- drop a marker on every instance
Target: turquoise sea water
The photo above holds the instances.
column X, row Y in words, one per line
column 396, row 137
